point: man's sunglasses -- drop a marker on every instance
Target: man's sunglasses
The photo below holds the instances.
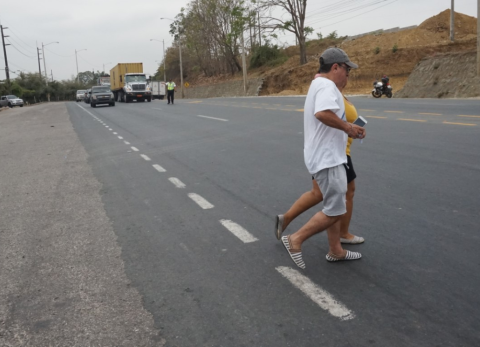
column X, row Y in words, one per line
column 348, row 68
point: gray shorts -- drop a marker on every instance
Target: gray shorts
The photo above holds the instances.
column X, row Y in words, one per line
column 333, row 185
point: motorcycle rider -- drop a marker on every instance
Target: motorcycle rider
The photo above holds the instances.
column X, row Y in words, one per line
column 385, row 81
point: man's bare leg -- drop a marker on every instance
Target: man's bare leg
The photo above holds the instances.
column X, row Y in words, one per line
column 318, row 223
column 345, row 220
column 304, row 203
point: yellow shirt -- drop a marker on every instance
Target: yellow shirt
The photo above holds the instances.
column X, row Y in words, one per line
column 351, row 114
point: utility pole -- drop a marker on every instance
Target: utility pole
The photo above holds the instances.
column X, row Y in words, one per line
column 478, row 38
column 7, row 72
column 44, row 64
column 51, row 73
column 181, row 68
column 39, row 68
column 244, row 65
column 452, row 22
column 164, row 64
column 259, row 30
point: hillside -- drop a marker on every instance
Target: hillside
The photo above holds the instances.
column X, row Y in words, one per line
column 429, row 38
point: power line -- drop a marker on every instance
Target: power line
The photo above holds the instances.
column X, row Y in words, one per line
column 63, row 56
column 28, row 56
column 18, row 37
column 87, row 61
column 360, row 14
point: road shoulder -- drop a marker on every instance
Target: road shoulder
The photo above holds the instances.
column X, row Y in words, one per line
column 62, row 275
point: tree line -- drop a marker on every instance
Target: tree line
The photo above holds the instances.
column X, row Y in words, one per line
column 33, row 88
column 212, row 34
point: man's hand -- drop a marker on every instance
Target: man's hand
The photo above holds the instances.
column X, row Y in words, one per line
column 355, row 131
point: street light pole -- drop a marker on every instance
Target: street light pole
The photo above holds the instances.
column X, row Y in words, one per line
column 44, row 60
column 478, row 38
column 180, row 53
column 164, row 65
column 452, row 22
column 76, row 59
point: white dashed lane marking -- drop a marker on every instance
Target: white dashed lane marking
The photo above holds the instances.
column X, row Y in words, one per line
column 177, row 182
column 115, row 133
column 320, row 296
column 121, row 138
column 126, row 142
column 220, row 119
column 145, row 157
column 238, row 231
column 159, row 168
column 134, row 149
column 200, row 201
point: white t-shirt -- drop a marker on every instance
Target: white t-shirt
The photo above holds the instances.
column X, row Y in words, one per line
column 324, row 146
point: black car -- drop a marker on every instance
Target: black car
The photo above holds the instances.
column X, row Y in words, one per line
column 101, row 95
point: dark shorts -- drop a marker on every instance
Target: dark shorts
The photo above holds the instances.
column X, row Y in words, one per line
column 351, row 175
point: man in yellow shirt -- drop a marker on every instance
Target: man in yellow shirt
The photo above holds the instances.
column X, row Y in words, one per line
column 171, row 89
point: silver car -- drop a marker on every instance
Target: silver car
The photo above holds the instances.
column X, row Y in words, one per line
column 80, row 95
column 12, row 100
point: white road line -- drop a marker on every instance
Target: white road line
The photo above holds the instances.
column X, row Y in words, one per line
column 200, row 201
column 221, row 119
column 238, row 231
column 115, row 133
column 91, row 114
column 134, row 149
column 159, row 168
column 320, row 296
column 145, row 157
column 126, row 142
column 121, row 138
column 110, row 129
column 177, row 182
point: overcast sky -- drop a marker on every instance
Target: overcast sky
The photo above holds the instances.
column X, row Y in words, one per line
column 119, row 31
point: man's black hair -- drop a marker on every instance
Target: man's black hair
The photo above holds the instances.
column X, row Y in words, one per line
column 324, row 68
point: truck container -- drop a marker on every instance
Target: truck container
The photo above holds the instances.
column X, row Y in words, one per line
column 128, row 82
column 158, row 90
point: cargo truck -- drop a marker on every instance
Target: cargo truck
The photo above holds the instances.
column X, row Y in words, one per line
column 158, row 90
column 128, row 83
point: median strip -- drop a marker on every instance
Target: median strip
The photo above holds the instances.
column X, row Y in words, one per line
column 238, row 231
column 200, row 201
column 413, row 120
column 317, row 294
column 466, row 124
column 220, row 119
column 176, row 182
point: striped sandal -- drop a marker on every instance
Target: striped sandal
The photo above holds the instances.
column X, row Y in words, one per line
column 349, row 256
column 295, row 254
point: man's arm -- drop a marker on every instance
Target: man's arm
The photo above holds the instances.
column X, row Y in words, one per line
column 330, row 119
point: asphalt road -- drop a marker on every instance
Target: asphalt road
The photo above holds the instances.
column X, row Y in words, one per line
column 212, row 273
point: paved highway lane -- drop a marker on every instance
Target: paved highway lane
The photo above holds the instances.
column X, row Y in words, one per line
column 192, row 204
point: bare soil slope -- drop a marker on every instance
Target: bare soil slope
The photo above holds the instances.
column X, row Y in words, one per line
column 428, row 39
column 373, row 53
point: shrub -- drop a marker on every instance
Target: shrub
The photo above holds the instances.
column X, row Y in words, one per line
column 394, row 48
column 333, row 35
column 377, row 50
column 267, row 55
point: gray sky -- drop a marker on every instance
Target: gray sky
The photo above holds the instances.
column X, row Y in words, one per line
column 117, row 31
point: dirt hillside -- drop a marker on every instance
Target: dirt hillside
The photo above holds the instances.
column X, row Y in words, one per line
column 373, row 53
column 429, row 38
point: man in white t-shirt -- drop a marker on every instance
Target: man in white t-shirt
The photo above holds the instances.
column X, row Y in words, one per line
column 326, row 131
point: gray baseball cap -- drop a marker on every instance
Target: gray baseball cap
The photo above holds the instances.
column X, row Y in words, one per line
column 336, row 55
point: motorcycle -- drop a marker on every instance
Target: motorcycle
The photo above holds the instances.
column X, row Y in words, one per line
column 379, row 89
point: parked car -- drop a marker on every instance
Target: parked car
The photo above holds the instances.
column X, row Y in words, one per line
column 101, row 95
column 12, row 100
column 80, row 95
column 86, row 97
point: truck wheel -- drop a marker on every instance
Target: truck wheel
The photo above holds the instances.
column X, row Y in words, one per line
column 127, row 100
column 115, row 96
column 149, row 99
column 10, row 105
column 92, row 105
